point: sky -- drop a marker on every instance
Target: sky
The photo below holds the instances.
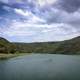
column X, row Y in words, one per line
column 39, row 20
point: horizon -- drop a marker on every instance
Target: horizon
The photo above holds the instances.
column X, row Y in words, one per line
column 40, row 41
column 31, row 21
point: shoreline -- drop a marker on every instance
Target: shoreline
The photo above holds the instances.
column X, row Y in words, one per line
column 4, row 56
column 8, row 56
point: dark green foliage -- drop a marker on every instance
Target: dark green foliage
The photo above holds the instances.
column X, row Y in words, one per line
column 6, row 46
column 70, row 46
column 45, row 47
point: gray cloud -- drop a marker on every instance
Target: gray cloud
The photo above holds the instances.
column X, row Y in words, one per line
column 55, row 15
column 69, row 5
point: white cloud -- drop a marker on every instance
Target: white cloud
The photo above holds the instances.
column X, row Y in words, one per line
column 36, row 19
column 42, row 3
column 30, row 16
column 18, row 33
column 18, row 29
column 54, row 37
column 40, row 32
column 23, row 13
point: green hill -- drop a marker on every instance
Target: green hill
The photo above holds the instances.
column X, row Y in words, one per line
column 6, row 46
column 64, row 47
column 70, row 46
column 44, row 47
column 3, row 45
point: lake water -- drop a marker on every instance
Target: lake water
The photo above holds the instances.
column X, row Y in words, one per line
column 41, row 67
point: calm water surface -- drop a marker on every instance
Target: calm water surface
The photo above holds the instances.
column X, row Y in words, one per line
column 41, row 67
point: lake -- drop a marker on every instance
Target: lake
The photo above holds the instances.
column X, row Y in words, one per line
column 41, row 67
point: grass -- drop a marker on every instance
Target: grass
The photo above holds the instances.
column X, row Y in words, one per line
column 7, row 56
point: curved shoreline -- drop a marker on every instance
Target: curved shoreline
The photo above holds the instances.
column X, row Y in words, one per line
column 8, row 56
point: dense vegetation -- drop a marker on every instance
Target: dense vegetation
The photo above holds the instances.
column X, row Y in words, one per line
column 6, row 46
column 45, row 47
column 64, row 47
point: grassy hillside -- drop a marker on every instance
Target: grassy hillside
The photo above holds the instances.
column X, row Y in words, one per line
column 70, row 47
column 45, row 47
column 6, row 46
column 64, row 47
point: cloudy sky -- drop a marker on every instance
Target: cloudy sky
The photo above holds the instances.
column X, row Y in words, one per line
column 39, row 20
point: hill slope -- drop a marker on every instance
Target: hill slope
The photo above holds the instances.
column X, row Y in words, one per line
column 70, row 46
column 6, row 46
